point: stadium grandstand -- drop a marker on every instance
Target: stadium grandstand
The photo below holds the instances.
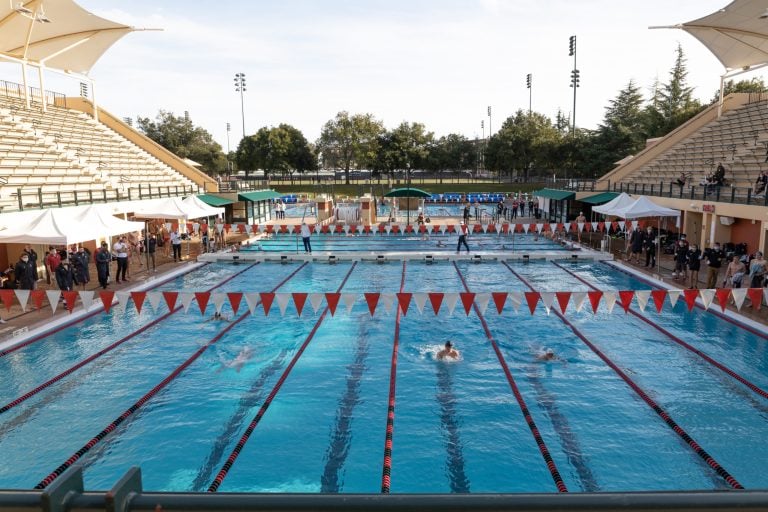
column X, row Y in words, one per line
column 679, row 170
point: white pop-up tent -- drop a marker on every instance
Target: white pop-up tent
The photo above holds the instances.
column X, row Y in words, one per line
column 644, row 207
column 621, row 201
column 66, row 226
column 176, row 208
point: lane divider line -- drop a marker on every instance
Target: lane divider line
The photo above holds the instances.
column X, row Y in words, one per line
column 86, row 316
column 222, row 474
column 386, row 473
column 105, row 350
column 45, row 482
column 696, row 447
column 561, row 487
column 681, row 342
column 713, row 311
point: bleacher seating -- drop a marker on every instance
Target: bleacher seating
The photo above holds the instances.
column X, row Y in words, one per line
column 62, row 151
column 738, row 140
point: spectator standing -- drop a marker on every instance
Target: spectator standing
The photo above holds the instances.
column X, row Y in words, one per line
column 176, row 244
column 714, row 258
column 103, row 258
column 649, row 244
column 52, row 261
column 65, row 278
column 693, row 260
column 305, row 237
column 121, row 252
column 635, row 245
column 25, row 273
column 757, row 269
column 32, row 259
column 463, row 233
column 734, row 272
column 152, row 247
column 81, row 261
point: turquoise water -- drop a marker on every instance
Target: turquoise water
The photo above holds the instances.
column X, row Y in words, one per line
column 434, row 243
column 458, row 427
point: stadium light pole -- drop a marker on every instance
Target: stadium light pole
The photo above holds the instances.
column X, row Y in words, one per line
column 528, row 82
column 240, row 87
column 574, row 77
column 229, row 163
column 482, row 145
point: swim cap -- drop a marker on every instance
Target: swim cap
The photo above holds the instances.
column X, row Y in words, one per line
column 550, row 351
column 448, row 343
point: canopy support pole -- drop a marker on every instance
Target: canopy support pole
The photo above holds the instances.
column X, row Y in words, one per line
column 93, row 98
column 40, row 75
column 24, row 81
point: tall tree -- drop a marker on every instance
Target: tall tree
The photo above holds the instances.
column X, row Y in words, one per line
column 673, row 104
column 525, row 142
column 348, row 141
column 275, row 149
column 622, row 131
column 180, row 136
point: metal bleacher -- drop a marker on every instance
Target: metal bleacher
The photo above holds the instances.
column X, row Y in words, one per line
column 61, row 155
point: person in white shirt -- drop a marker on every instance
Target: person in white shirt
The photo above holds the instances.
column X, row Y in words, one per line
column 463, row 232
column 305, row 234
column 121, row 252
column 176, row 244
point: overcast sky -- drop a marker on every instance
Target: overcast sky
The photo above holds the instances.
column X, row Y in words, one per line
column 439, row 62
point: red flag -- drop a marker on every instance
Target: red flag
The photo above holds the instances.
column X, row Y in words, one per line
column 234, row 301
column 39, row 295
column 267, row 298
column 722, row 295
column 202, row 300
column 7, row 298
column 436, row 299
column 170, row 299
column 594, row 299
column 615, row 225
column 106, row 296
column 283, row 228
column 625, row 299
column 499, row 298
column 658, row 299
column 404, row 299
column 333, row 300
column 69, row 299
column 518, row 228
column 254, row 228
column 563, row 298
column 241, row 228
column 372, row 299
column 755, row 297
column 467, row 299
column 505, row 228
column 138, row 300
column 532, row 298
column 324, row 229
column 601, row 226
column 299, row 299
column 690, row 297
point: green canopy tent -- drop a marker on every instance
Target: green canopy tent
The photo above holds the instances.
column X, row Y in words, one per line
column 408, row 193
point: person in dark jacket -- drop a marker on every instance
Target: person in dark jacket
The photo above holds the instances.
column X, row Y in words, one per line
column 635, row 245
column 81, row 260
column 25, row 273
column 29, row 251
column 65, row 276
column 103, row 259
column 152, row 247
column 649, row 244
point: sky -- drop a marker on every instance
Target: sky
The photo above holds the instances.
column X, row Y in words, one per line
column 438, row 62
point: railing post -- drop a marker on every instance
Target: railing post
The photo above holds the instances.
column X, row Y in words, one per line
column 150, row 190
column 21, row 202
column 90, row 196
column 129, row 194
column 693, row 192
column 104, row 194
column 733, row 194
column 76, row 201
column 40, row 196
column 58, row 197
column 717, row 193
column 749, row 195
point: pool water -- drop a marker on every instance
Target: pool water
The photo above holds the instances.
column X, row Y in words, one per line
column 433, row 243
column 320, row 385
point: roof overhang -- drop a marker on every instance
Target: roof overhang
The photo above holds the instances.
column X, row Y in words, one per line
column 57, row 34
column 737, row 34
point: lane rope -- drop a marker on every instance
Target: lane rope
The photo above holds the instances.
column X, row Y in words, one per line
column 105, row 350
column 45, row 482
column 681, row 342
column 222, row 474
column 386, row 472
column 561, row 487
column 70, row 323
column 696, row 447
column 713, row 311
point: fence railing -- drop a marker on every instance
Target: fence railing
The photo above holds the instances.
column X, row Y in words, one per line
column 67, row 493
column 35, row 198
column 15, row 90
column 722, row 194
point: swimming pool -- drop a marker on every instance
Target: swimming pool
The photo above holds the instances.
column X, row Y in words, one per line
column 319, row 394
column 434, row 243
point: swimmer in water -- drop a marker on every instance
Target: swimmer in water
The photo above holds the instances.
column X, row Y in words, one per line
column 547, row 355
column 448, row 352
column 218, row 317
column 245, row 355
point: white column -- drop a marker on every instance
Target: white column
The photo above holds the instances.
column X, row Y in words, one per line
column 42, row 88
column 24, row 82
